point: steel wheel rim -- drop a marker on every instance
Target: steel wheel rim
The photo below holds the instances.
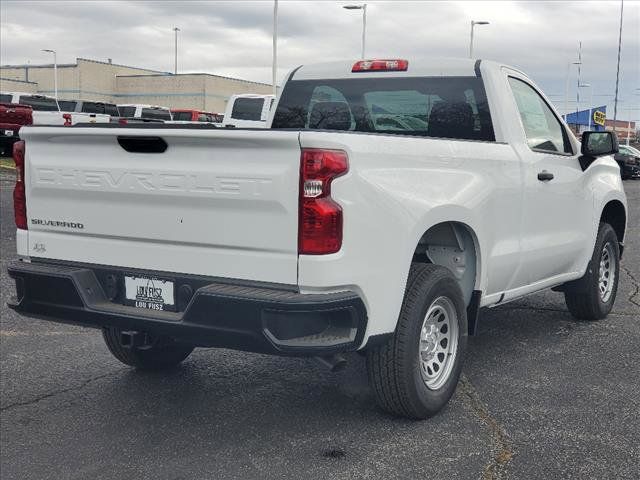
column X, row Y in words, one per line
column 438, row 343
column 606, row 272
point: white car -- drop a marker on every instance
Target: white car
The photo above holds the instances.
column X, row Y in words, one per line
column 48, row 111
column 326, row 233
column 145, row 112
column 248, row 111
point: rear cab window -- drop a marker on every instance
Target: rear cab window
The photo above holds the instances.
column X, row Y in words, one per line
column 111, row 109
column 99, row 107
column 182, row 116
column 5, row 98
column 247, row 109
column 39, row 103
column 156, row 113
column 440, row 107
column 127, row 112
column 67, row 105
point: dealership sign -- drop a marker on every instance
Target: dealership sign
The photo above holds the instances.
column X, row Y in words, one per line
column 599, row 117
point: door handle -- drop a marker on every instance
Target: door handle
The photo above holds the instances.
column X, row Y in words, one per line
column 545, row 176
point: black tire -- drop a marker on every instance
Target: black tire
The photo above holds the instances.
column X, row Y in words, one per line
column 583, row 297
column 394, row 369
column 161, row 355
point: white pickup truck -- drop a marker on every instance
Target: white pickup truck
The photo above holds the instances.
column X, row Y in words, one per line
column 248, row 110
column 48, row 111
column 335, row 230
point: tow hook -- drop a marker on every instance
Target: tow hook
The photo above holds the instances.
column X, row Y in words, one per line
column 133, row 339
column 335, row 362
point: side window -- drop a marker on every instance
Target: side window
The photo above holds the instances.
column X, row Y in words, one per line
column 5, row 98
column 543, row 130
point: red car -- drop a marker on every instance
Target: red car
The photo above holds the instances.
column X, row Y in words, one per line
column 188, row 115
column 12, row 117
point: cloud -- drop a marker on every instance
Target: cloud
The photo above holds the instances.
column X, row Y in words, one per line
column 234, row 38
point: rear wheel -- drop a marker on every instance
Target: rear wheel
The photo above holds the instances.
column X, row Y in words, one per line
column 592, row 297
column 160, row 354
column 416, row 371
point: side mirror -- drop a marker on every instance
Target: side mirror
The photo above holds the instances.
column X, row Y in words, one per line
column 596, row 144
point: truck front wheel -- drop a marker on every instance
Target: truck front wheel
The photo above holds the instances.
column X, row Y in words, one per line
column 592, row 296
column 160, row 354
column 416, row 371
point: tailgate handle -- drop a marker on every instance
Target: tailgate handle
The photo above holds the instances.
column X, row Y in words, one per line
column 142, row 144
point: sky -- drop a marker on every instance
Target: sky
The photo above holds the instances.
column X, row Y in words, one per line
column 234, row 38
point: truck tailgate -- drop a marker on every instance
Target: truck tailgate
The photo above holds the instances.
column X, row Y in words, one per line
column 215, row 202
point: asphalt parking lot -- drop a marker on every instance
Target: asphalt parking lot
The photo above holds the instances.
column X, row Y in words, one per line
column 542, row 396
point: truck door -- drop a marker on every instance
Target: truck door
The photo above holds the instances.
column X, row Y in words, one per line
column 557, row 206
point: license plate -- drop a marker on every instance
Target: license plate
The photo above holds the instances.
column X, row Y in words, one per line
column 8, row 133
column 151, row 293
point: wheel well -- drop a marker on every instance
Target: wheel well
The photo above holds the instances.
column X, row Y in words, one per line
column 452, row 245
column 615, row 215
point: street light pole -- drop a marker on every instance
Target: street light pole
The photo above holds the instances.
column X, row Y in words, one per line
column 615, row 101
column 274, row 64
column 590, row 87
column 362, row 7
column 473, row 24
column 175, row 51
column 55, row 74
column 579, row 63
column 566, row 90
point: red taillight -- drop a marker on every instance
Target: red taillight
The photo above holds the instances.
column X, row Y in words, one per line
column 67, row 119
column 320, row 217
column 123, row 121
column 389, row 65
column 19, row 195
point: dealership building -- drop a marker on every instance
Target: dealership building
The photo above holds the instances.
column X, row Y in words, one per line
column 590, row 119
column 596, row 119
column 109, row 82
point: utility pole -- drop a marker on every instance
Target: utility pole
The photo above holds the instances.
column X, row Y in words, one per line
column 55, row 74
column 175, row 51
column 578, row 85
column 274, row 64
column 615, row 102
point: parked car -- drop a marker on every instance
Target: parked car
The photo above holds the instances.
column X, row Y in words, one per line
column 248, row 111
column 628, row 159
column 147, row 112
column 12, row 118
column 328, row 233
column 190, row 116
column 48, row 111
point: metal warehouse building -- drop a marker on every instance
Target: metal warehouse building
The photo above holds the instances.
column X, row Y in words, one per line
column 109, row 82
